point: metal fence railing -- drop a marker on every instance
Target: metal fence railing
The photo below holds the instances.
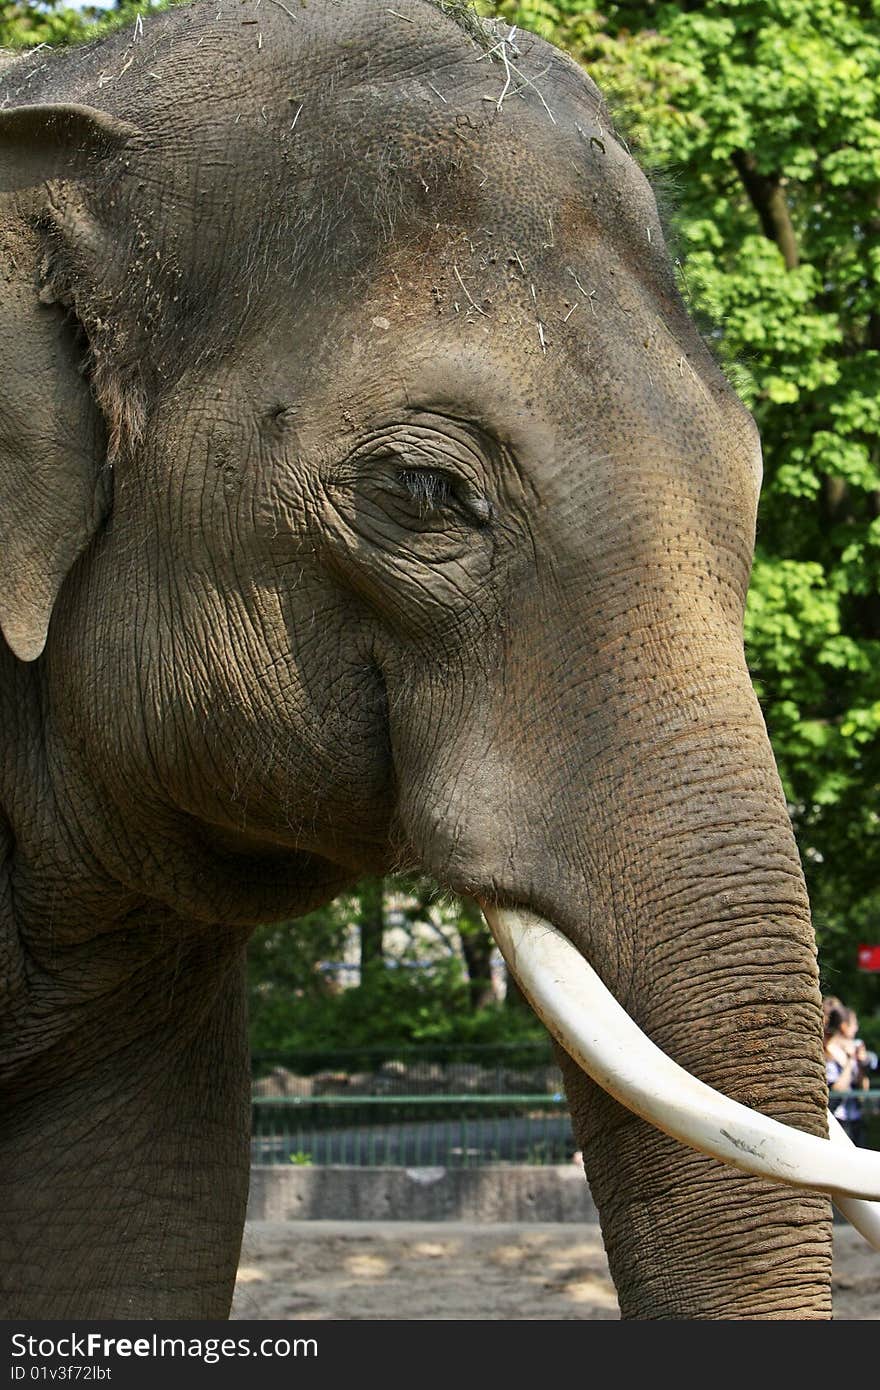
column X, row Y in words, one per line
column 413, row 1107
column 378, row 1109
column 412, row 1131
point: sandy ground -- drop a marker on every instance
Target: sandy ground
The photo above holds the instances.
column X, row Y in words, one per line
column 439, row 1270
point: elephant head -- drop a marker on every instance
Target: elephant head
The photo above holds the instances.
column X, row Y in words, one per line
column 368, row 499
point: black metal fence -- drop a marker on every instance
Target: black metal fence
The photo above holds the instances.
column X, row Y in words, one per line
column 411, row 1107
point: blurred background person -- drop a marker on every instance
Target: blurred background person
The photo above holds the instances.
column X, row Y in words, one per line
column 847, row 1067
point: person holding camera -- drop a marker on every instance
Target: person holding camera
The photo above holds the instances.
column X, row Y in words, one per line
column 847, row 1066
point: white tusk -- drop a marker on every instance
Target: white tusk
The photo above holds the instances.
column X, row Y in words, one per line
column 595, row 1031
column 865, row 1216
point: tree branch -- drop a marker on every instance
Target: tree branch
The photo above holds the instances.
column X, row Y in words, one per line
column 768, row 200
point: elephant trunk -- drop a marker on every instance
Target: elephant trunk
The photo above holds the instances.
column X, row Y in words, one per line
column 711, row 951
column 638, row 810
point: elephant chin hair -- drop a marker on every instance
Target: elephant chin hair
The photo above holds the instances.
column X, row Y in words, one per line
column 585, row 1018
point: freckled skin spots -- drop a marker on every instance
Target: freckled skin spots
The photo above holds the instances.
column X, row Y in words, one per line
column 424, row 541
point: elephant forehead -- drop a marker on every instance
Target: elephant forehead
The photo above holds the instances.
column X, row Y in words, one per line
column 288, row 158
column 461, row 140
column 358, row 112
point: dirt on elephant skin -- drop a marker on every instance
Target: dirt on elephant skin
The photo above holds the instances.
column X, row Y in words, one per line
column 442, row 1270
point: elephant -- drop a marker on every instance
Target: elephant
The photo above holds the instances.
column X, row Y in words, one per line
column 369, row 500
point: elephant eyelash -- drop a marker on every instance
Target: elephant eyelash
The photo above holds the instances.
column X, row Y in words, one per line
column 431, row 490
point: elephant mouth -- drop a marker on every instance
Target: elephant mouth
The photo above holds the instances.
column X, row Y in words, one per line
column 585, row 1018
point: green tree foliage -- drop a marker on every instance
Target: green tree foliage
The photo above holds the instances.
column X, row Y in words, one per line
column 24, row 24
column 765, row 115
column 299, row 1000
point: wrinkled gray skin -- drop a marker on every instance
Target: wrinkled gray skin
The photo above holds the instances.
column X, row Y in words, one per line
column 348, row 570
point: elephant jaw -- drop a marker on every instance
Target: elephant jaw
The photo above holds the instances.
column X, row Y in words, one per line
column 595, row 1031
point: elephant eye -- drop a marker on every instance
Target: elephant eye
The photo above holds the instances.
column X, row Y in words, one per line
column 429, row 489
column 435, row 491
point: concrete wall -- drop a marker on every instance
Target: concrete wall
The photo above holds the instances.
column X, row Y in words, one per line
column 491, row 1193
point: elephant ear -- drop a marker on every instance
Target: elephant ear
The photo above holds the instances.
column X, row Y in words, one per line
column 54, row 479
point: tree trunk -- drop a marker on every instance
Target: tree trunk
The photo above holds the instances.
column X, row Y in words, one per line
column 477, row 947
column 372, row 924
column 768, row 199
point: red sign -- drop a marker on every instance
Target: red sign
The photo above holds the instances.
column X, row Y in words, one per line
column 869, row 957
